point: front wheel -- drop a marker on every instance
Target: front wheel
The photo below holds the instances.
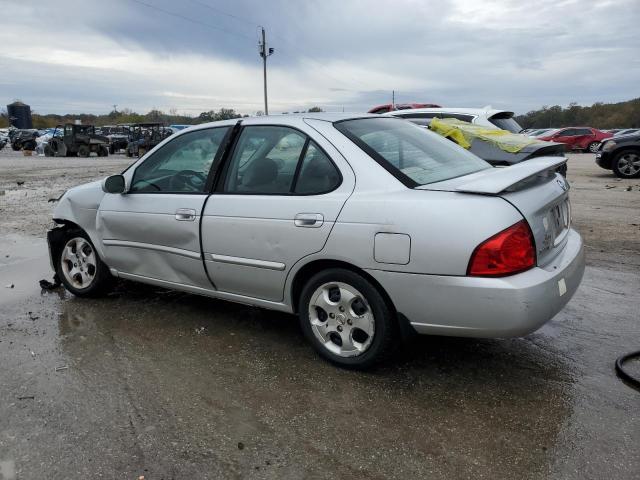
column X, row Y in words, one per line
column 79, row 267
column 626, row 164
column 347, row 319
column 593, row 147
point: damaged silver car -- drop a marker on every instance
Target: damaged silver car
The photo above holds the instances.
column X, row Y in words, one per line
column 368, row 228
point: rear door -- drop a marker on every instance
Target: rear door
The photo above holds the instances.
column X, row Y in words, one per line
column 276, row 203
column 153, row 230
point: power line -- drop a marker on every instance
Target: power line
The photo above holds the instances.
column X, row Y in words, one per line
column 230, row 15
column 188, row 19
column 293, row 45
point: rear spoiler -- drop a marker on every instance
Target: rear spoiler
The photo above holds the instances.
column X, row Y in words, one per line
column 496, row 180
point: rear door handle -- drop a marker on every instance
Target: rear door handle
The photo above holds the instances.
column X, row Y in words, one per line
column 185, row 214
column 310, row 220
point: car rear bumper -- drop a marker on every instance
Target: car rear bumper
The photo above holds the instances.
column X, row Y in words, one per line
column 487, row 307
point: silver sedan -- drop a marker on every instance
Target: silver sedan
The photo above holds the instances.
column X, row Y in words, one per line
column 367, row 227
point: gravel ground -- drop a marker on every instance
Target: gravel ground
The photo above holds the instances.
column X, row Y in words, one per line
column 167, row 385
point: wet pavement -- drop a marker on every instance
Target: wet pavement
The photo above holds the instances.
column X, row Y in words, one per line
column 160, row 384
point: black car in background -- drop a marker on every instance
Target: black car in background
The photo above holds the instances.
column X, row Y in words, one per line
column 621, row 154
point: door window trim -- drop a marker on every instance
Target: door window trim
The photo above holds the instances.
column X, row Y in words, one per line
column 218, row 188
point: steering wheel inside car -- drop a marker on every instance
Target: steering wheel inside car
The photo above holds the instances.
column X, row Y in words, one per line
column 187, row 180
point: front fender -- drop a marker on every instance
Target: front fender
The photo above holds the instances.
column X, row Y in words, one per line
column 79, row 206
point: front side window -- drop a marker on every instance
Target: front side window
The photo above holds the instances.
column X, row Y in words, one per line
column 411, row 153
column 265, row 160
column 180, row 166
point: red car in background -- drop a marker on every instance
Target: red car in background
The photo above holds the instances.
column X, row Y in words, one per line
column 585, row 139
column 390, row 107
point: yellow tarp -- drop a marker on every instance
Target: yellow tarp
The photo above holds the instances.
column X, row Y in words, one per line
column 463, row 133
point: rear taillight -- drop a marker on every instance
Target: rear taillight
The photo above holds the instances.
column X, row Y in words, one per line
column 510, row 251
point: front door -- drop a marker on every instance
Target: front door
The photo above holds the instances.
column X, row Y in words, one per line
column 276, row 203
column 153, row 230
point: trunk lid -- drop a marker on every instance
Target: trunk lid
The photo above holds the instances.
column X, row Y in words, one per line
column 535, row 189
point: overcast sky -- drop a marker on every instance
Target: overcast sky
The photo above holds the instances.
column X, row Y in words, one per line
column 194, row 55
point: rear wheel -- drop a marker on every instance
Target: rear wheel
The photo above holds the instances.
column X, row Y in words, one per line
column 79, row 267
column 83, row 151
column 346, row 319
column 626, row 164
column 593, row 147
column 16, row 146
column 102, row 151
column 48, row 151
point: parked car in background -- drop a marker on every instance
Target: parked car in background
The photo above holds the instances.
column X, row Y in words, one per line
column 584, row 139
column 365, row 226
column 178, row 127
column 540, row 131
column 496, row 146
column 626, row 131
column 487, row 117
column 390, row 107
column 621, row 154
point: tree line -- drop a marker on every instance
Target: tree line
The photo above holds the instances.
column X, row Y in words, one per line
column 599, row 115
column 129, row 116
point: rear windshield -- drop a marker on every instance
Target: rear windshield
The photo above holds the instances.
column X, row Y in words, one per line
column 506, row 123
column 411, row 153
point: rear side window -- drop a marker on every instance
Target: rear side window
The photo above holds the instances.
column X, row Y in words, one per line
column 272, row 160
column 411, row 153
column 317, row 172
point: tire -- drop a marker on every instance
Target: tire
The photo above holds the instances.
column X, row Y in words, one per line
column 84, row 275
column 16, row 147
column 348, row 301
column 593, row 147
column 103, row 151
column 48, row 151
column 129, row 154
column 83, row 151
column 626, row 164
column 111, row 150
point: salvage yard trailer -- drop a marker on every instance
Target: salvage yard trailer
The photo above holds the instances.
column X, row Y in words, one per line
column 76, row 140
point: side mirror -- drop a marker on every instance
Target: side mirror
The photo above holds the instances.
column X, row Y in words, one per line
column 113, row 184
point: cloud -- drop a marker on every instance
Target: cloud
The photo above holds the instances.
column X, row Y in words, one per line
column 196, row 55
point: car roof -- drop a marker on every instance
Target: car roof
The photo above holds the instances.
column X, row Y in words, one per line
column 286, row 119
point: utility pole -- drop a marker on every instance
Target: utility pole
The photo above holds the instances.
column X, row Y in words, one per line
column 393, row 99
column 115, row 108
column 264, row 53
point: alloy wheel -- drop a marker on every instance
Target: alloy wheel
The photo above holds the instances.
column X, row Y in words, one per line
column 78, row 261
column 341, row 319
column 593, row 147
column 629, row 164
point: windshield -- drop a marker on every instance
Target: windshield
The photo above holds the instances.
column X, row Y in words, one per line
column 506, row 124
column 411, row 153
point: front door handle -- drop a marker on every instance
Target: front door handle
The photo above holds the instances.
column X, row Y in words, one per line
column 310, row 220
column 185, row 214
